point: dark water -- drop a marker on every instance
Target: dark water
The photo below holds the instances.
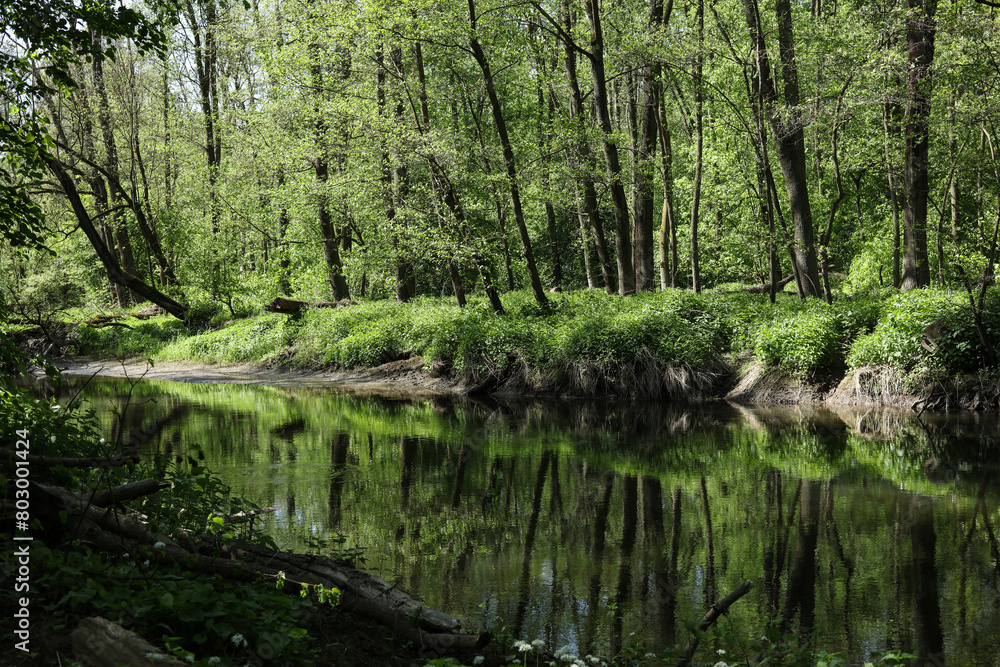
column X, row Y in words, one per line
column 603, row 525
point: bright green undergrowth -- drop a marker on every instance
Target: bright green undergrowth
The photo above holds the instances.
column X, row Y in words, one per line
column 803, row 338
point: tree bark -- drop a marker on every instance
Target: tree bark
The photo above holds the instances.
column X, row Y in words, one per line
column 591, row 208
column 331, row 236
column 623, row 236
column 920, row 33
column 643, row 201
column 668, row 225
column 789, row 143
column 117, row 225
column 699, row 145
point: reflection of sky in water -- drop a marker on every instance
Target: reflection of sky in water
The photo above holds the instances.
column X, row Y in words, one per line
column 393, row 495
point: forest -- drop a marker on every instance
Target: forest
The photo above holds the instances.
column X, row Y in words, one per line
column 763, row 200
column 233, row 153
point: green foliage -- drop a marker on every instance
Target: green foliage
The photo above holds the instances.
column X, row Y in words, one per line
column 254, row 339
column 137, row 338
column 198, row 616
column 803, row 343
column 203, row 312
column 896, row 340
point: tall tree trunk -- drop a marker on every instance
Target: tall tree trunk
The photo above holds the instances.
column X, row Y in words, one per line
column 583, row 153
column 920, row 32
column 789, row 143
column 206, row 71
column 699, row 145
column 508, row 157
column 623, row 240
column 668, row 225
column 645, row 277
column 284, row 279
column 406, row 283
column 321, row 168
column 546, row 111
column 168, row 169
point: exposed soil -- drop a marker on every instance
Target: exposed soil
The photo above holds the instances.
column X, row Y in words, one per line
column 405, row 376
column 753, row 384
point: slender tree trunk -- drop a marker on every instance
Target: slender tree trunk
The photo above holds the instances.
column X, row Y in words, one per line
column 623, row 236
column 168, row 168
column 284, row 278
column 699, row 145
column 590, row 204
column 545, row 114
column 789, row 143
column 668, row 226
column 117, row 225
column 508, row 155
column 321, row 168
column 645, row 276
column 406, row 283
column 920, row 33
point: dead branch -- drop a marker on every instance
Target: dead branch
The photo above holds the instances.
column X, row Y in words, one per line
column 717, row 610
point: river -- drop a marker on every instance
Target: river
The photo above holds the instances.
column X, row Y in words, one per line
column 609, row 526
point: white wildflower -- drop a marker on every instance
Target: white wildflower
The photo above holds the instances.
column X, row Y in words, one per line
column 55, row 408
column 238, row 639
column 160, row 545
column 522, row 646
column 478, row 660
column 52, row 438
column 721, row 651
column 720, row 664
column 648, row 656
column 214, row 660
column 102, row 441
column 538, row 643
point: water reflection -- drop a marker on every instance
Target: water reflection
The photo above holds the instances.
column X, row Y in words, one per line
column 582, row 522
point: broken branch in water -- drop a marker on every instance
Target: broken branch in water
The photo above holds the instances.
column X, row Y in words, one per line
column 717, row 610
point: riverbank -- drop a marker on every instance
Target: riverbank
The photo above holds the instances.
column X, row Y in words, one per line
column 919, row 349
column 751, row 385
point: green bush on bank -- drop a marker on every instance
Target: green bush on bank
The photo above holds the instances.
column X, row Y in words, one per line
column 896, row 340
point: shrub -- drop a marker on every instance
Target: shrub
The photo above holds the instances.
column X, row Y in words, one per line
column 251, row 340
column 143, row 339
column 803, row 343
column 895, row 341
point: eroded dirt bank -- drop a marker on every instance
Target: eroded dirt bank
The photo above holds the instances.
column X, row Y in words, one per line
column 752, row 384
column 406, row 376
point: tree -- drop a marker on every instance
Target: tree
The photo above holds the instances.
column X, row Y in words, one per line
column 920, row 31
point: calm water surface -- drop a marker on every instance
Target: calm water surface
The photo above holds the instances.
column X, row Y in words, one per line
column 607, row 524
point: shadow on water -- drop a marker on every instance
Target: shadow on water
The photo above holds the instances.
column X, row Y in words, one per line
column 603, row 524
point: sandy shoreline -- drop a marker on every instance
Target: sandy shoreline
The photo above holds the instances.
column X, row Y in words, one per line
column 407, row 375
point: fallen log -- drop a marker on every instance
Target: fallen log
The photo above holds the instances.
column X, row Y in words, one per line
column 121, row 532
column 72, row 461
column 98, row 641
column 292, row 306
column 762, row 289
